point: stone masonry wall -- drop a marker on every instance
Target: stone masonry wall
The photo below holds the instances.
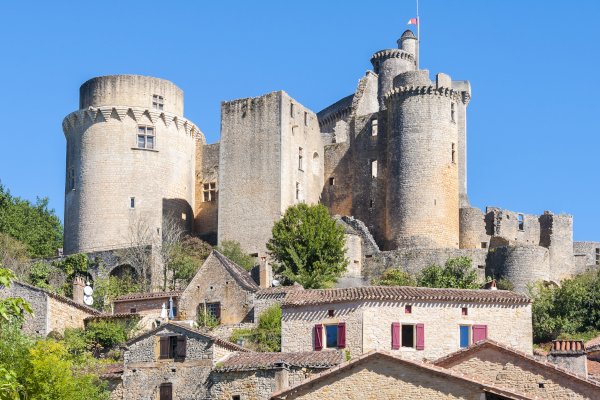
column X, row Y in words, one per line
column 207, row 172
column 151, row 306
column 62, row 315
column 589, row 251
column 524, row 376
column 521, row 265
column 387, row 379
column 36, row 324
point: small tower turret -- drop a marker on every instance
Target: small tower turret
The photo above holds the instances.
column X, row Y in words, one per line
column 409, row 43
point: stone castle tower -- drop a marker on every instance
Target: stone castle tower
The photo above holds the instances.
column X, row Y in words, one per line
column 389, row 158
column 130, row 162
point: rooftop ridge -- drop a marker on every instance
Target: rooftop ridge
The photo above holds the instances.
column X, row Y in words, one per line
column 59, row 297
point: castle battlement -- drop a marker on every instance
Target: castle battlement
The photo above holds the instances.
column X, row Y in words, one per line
column 426, row 90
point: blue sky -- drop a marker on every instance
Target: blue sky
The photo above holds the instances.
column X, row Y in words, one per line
column 533, row 135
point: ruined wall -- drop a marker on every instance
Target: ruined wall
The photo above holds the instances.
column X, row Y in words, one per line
column 472, row 229
column 206, row 209
column 422, row 189
column 589, row 252
column 557, row 236
column 337, row 189
column 506, row 230
column 521, row 265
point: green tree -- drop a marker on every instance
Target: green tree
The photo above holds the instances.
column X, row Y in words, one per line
column 33, row 224
column 107, row 288
column 456, row 273
column 12, row 309
column 394, row 277
column 309, row 246
column 187, row 257
column 266, row 336
column 233, row 250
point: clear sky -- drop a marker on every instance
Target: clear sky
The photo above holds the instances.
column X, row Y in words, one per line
column 533, row 131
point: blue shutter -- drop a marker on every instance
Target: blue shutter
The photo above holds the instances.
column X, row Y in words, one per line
column 464, row 336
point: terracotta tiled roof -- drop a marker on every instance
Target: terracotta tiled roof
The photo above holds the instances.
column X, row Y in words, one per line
column 595, row 342
column 238, row 273
column 304, row 359
column 277, row 292
column 60, row 298
column 325, row 296
column 593, row 370
column 223, row 343
column 427, row 368
column 111, row 316
column 111, row 371
column 147, row 295
column 463, row 353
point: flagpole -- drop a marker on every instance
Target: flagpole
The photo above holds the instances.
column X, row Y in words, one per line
column 418, row 35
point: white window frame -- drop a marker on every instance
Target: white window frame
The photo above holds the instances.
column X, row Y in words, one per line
column 143, row 132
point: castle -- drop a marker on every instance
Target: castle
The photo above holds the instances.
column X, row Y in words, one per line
column 390, row 159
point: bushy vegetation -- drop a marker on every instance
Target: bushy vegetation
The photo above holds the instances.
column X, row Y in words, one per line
column 266, row 336
column 395, row 277
column 308, row 245
column 233, row 250
column 571, row 310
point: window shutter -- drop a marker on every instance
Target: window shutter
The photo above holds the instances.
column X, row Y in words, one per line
column 181, row 347
column 318, row 333
column 164, row 347
column 341, row 338
column 395, row 335
column 166, row 391
column 479, row 333
column 420, row 328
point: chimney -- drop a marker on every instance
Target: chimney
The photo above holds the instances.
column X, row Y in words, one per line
column 78, row 285
column 569, row 354
column 491, row 285
column 265, row 273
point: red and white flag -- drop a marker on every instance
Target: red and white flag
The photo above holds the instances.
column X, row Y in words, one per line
column 413, row 21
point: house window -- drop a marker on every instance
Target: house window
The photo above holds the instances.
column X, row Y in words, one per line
column 166, row 391
column 453, row 153
column 209, row 191
column 374, row 168
column 331, row 181
column 465, row 336
column 71, row 179
column 521, row 220
column 235, row 397
column 408, row 309
column 453, row 112
column 145, row 137
column 331, row 336
column 464, row 311
column 330, row 313
column 408, row 335
column 335, row 336
column 305, row 118
column 374, row 127
column 133, row 310
column 158, row 102
column 300, row 158
column 172, row 347
column 213, row 310
column 132, row 202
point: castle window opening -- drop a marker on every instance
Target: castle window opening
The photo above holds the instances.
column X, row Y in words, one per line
column 453, row 153
column 484, row 245
column 292, row 110
column 374, row 127
column 132, row 202
column 453, row 112
column 305, row 118
column 331, row 181
column 521, row 220
column 158, row 102
column 184, row 216
column 209, row 191
column 300, row 159
column 597, row 256
column 71, row 179
column 374, row 168
column 297, row 190
column 145, row 137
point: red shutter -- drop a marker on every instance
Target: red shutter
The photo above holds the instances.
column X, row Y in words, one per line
column 318, row 333
column 395, row 335
column 180, row 350
column 420, row 328
column 341, row 338
column 164, row 347
column 479, row 333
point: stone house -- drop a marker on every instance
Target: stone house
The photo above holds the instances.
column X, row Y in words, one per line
column 145, row 304
column 383, row 375
column 496, row 364
column 220, row 288
column 170, row 362
column 418, row 323
column 51, row 311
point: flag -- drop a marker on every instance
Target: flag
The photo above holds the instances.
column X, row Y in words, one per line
column 413, row 21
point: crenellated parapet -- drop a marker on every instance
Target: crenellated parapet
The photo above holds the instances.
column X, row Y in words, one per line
column 80, row 120
column 405, row 91
column 392, row 53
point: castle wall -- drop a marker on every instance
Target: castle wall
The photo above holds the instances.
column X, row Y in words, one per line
column 503, row 225
column 461, row 121
column 337, row 189
column 557, row 236
column 422, row 189
column 521, row 265
column 472, row 229
column 207, row 205
column 121, row 192
column 588, row 252
column 388, row 64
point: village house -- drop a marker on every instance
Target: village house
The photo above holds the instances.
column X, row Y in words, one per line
column 51, row 312
column 418, row 323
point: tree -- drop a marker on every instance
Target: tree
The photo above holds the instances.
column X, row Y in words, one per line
column 233, row 250
column 309, row 246
column 138, row 252
column 456, row 273
column 12, row 309
column 394, row 277
column 34, row 225
column 13, row 255
column 266, row 336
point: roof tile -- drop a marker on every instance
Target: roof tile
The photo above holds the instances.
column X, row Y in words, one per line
column 304, row 359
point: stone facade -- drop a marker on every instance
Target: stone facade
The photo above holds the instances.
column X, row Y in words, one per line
column 368, row 322
column 51, row 312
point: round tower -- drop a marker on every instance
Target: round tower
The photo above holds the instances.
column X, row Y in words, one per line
column 422, row 192
column 387, row 64
column 130, row 161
